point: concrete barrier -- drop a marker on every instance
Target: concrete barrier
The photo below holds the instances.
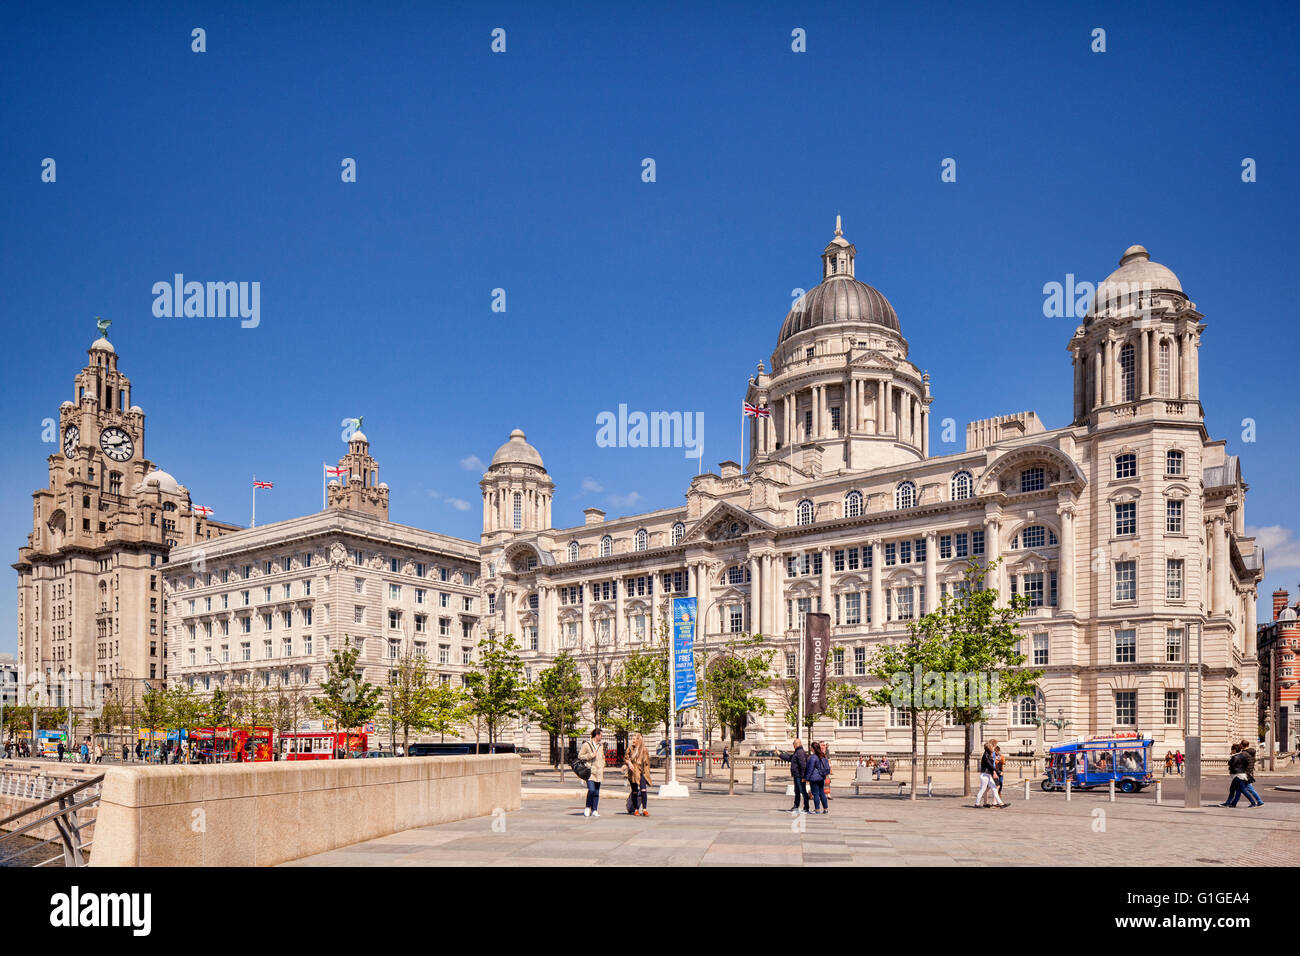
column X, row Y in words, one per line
column 269, row 813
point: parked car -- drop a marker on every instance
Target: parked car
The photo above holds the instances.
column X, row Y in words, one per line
column 760, row 754
column 683, row 745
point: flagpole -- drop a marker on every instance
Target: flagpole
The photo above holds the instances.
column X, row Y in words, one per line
column 802, row 644
column 324, row 501
column 253, row 523
column 742, row 441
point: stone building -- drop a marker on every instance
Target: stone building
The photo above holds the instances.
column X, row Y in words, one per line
column 1279, row 675
column 266, row 607
column 1125, row 527
column 90, row 588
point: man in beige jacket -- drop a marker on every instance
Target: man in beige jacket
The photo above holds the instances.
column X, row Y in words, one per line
column 593, row 754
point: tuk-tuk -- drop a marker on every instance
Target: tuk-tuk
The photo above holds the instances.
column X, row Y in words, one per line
column 1124, row 758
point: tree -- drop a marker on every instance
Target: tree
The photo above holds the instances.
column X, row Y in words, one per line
column 496, row 684
column 219, row 708
column 978, row 637
column 736, row 678
column 554, row 700
column 408, row 696
column 154, row 710
column 446, row 710
column 345, row 698
column 903, row 668
column 634, row 697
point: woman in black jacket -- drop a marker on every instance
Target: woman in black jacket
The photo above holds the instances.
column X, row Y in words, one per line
column 989, row 776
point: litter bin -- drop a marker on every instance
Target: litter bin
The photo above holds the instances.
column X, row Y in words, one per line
column 759, row 784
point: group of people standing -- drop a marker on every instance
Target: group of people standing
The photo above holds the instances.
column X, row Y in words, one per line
column 992, row 764
column 636, row 767
column 810, row 771
column 1173, row 762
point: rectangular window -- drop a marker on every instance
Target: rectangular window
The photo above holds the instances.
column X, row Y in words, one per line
column 1042, row 650
column 1125, row 518
column 919, row 546
column 1125, row 581
column 852, row 717
column 853, row 608
column 1173, row 645
column 1174, row 516
column 891, row 554
column 853, row 559
column 394, row 620
column 1126, row 646
column 945, row 546
column 963, row 544
column 394, row 592
column 837, row 662
column 1172, row 710
column 838, row 560
column 1174, row 579
column 1033, row 479
column 1174, row 463
column 1126, row 708
column 359, row 584
column 1033, row 588
column 977, row 542
column 1126, row 466
column 904, row 552
column 859, row 661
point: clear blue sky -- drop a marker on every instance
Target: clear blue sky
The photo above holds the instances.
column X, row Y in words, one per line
column 523, row 171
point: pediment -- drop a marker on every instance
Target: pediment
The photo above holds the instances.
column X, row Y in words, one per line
column 725, row 522
column 874, row 359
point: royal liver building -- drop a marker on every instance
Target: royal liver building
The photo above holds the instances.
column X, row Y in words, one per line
column 1124, row 528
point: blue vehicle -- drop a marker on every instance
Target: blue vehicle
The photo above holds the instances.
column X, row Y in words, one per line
column 1124, row 758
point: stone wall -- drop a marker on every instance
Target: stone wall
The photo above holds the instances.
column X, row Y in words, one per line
column 270, row 813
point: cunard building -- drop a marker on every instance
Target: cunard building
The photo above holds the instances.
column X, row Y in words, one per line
column 1124, row 528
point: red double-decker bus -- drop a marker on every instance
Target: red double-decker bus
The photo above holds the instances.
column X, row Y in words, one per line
column 321, row 744
column 227, row 745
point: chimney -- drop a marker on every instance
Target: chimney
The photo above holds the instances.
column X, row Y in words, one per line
column 729, row 469
column 1280, row 600
column 594, row 515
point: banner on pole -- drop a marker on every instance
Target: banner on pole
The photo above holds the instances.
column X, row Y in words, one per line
column 684, row 652
column 816, row 645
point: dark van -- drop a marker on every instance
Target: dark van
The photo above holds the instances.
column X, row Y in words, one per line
column 458, row 748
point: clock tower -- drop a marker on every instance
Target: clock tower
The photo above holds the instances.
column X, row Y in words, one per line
column 91, row 607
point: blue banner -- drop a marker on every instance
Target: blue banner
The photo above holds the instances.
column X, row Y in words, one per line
column 684, row 652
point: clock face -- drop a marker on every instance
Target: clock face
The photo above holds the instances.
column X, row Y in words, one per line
column 116, row 443
column 71, row 438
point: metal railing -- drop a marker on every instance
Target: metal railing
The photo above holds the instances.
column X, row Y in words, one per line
column 64, row 819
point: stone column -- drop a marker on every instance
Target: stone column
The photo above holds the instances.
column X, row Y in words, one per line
column 486, row 526
column 1251, row 624
column 584, row 591
column 755, row 594
column 1143, row 389
column 931, row 572
column 1065, row 578
column 877, row 593
column 619, row 625
column 1196, row 366
column 1184, row 378
column 883, row 420
column 1108, row 375
column 654, row 607
column 1099, row 376
column 925, row 433
column 1219, row 599
column 826, row 581
column 765, row 612
column 1078, row 388
column 992, row 551
column 512, row 616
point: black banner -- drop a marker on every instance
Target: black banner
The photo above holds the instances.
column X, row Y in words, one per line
column 816, row 646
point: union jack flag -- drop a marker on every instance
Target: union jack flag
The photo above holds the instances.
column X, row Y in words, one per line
column 200, row 510
column 262, row 484
column 753, row 411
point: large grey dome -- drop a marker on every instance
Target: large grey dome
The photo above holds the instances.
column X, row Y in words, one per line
column 1136, row 274
column 840, row 298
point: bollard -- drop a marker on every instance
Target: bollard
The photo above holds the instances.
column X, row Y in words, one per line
column 759, row 782
column 1067, row 788
column 1159, row 792
column 929, row 786
column 1026, row 789
column 1112, row 791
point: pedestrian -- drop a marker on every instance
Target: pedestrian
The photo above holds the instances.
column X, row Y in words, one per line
column 726, row 757
column 1237, row 776
column 99, row 752
column 636, row 765
column 826, row 784
column 139, row 750
column 1169, row 761
column 1002, row 764
column 988, row 776
column 819, row 767
column 85, row 750
column 593, row 752
column 798, row 761
column 1178, row 761
column 59, row 748
column 1248, row 787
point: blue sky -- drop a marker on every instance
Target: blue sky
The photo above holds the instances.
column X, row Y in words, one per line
column 522, row 171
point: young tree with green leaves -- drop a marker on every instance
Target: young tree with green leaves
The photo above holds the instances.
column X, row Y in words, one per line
column 902, row 667
column 349, row 701
column 446, row 710
column 736, row 678
column 154, row 711
column 980, row 636
column 634, row 696
column 496, row 685
column 554, row 700
column 409, row 689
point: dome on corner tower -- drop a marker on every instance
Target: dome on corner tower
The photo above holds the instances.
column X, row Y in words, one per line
column 517, row 451
column 840, row 298
column 1136, row 274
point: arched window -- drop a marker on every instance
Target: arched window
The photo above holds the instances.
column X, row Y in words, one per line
column 805, row 512
column 905, row 495
column 573, row 551
column 679, row 532
column 1126, row 376
column 642, row 539
column 1035, row 536
column 963, row 486
column 606, row 546
column 853, row 504
column 1026, row 711
column 519, row 511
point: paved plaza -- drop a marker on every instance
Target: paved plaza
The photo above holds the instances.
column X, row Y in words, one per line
column 875, row 829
